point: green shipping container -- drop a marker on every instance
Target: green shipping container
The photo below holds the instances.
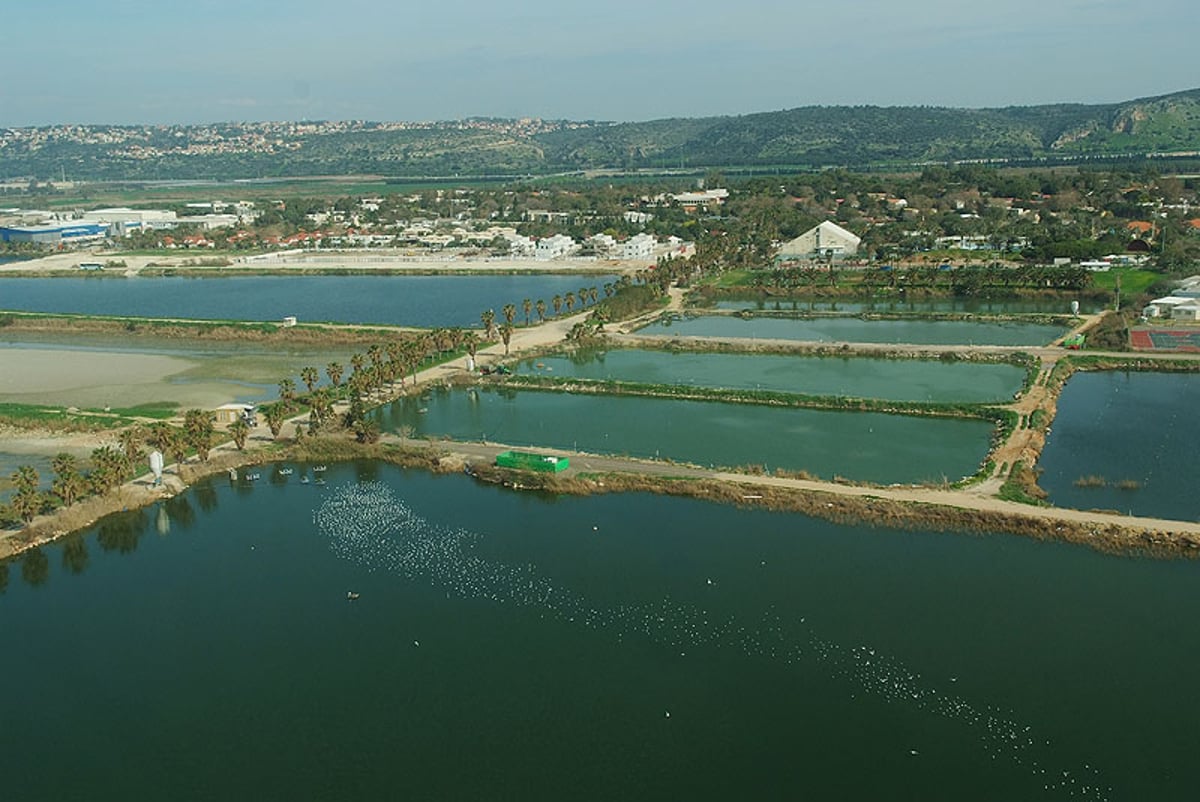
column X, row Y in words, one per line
column 528, row 461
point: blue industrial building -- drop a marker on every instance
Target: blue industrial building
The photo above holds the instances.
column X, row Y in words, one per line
column 55, row 233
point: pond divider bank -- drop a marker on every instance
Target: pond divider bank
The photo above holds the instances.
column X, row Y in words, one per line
column 841, row 503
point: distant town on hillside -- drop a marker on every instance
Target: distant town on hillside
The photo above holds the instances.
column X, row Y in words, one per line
column 809, row 138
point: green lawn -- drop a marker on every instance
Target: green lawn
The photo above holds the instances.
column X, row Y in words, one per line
column 1134, row 281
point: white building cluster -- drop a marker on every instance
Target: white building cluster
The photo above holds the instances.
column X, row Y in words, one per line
column 1182, row 304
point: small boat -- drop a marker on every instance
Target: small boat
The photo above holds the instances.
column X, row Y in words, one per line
column 351, row 596
column 303, row 480
column 318, row 468
column 285, row 471
column 422, row 410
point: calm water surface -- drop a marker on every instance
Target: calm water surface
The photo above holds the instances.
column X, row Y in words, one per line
column 1126, row 426
column 900, row 380
column 869, row 447
column 426, row 301
column 511, row 646
column 9, row 463
column 916, row 332
column 976, row 306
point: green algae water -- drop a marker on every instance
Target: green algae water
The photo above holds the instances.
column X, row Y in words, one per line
column 891, row 379
column 852, row 306
column 851, row 330
column 863, row 446
column 1133, row 435
column 517, row 646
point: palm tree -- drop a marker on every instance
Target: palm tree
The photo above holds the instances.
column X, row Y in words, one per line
column 357, row 361
column 592, row 293
column 570, row 301
column 541, row 310
column 506, row 332
column 334, row 371
column 527, row 307
column 26, row 501
column 583, row 296
column 106, row 469
column 488, row 319
column 68, row 482
column 322, row 405
column 275, row 415
column 375, row 354
column 309, row 376
column 198, row 426
column 366, row 431
column 239, row 430
column 131, row 440
column 171, row 442
column 287, row 393
column 509, row 311
column 608, row 289
column 471, row 343
column 558, row 302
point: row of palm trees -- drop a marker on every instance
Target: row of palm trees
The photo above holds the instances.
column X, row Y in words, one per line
column 109, row 465
column 529, row 307
column 380, row 368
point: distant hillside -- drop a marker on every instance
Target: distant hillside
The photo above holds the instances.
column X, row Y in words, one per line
column 810, row 137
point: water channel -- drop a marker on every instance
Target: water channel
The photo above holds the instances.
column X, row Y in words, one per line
column 871, row 447
column 401, row 300
column 1126, row 442
column 513, row 646
column 850, row 329
column 975, row 306
column 892, row 379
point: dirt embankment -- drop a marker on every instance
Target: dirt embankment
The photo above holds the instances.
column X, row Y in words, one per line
column 268, row 334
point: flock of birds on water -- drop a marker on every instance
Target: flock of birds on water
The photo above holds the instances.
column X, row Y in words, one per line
column 368, row 523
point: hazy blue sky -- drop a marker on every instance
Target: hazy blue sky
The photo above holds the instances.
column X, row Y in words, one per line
column 161, row 61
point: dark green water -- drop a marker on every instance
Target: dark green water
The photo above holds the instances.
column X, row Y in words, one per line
column 1126, row 426
column 509, row 646
column 977, row 306
column 850, row 329
column 900, row 380
column 868, row 447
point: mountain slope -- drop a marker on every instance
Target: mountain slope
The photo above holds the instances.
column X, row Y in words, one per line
column 809, row 137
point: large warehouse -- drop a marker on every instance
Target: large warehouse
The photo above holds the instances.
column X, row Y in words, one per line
column 55, row 233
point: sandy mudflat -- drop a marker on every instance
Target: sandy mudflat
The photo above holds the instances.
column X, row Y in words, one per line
column 86, row 378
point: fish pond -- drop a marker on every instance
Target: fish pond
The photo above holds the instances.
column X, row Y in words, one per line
column 851, row 329
column 518, row 646
column 863, row 446
column 1127, row 442
column 974, row 306
column 400, row 300
column 892, row 379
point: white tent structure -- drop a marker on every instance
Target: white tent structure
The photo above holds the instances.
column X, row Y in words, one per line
column 827, row 239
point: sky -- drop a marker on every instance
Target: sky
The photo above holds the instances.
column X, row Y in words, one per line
column 163, row 62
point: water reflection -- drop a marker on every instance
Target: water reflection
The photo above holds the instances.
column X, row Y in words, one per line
column 206, row 496
column 75, row 553
column 120, row 532
column 3, row 577
column 180, row 511
column 367, row 470
column 35, row 567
